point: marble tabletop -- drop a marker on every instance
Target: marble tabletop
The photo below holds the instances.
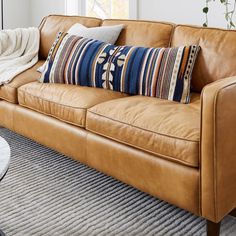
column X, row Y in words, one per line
column 5, row 155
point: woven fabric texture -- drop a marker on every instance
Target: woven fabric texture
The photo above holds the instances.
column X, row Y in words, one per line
column 47, row 194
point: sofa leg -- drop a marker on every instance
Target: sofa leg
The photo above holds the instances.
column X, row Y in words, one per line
column 233, row 212
column 213, row 229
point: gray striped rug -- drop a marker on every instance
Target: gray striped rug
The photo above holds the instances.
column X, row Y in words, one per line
column 46, row 193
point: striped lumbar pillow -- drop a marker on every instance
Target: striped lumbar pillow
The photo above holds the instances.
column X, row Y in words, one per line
column 157, row 72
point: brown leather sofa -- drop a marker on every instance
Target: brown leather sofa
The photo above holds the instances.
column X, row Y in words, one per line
column 183, row 154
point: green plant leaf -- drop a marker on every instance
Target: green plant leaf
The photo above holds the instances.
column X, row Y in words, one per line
column 230, row 8
column 232, row 24
column 205, row 10
column 226, row 16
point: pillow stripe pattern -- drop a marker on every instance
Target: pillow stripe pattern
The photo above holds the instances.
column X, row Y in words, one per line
column 157, row 72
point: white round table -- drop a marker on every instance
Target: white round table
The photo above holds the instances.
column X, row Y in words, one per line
column 5, row 155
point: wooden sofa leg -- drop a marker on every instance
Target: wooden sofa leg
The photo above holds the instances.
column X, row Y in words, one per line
column 213, row 229
column 233, row 212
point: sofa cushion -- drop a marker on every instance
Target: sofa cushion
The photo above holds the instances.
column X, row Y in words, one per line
column 107, row 34
column 164, row 128
column 8, row 91
column 68, row 103
column 155, row 72
column 53, row 24
column 216, row 59
column 143, row 33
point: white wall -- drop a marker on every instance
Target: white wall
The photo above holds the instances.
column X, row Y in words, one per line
column 16, row 13
column 31, row 12
column 41, row 8
column 181, row 11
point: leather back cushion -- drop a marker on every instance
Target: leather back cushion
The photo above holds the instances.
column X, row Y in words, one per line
column 216, row 59
column 143, row 33
column 53, row 24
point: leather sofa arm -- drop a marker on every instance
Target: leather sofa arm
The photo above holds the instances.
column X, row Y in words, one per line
column 218, row 149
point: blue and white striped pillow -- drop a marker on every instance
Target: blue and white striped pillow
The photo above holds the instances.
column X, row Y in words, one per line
column 157, row 72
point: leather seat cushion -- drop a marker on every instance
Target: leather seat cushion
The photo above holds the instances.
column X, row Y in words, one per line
column 68, row 103
column 8, row 91
column 164, row 128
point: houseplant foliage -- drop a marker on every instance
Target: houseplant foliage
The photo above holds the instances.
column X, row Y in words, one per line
column 229, row 6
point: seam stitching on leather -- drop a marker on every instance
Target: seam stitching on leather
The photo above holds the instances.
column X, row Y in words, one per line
column 8, row 100
column 96, row 113
column 141, row 21
column 9, row 85
column 46, row 100
column 55, row 117
column 214, row 158
column 200, row 157
column 215, row 153
column 168, row 158
column 204, row 28
column 146, row 150
column 172, row 35
column 82, row 17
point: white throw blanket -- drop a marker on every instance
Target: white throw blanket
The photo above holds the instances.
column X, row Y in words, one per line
column 18, row 52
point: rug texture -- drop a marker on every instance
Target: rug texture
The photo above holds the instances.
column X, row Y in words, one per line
column 46, row 193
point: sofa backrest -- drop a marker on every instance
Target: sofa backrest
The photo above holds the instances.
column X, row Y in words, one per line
column 51, row 25
column 135, row 33
column 143, row 33
column 216, row 60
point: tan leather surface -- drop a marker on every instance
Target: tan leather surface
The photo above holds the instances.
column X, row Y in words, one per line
column 62, row 137
column 7, row 114
column 172, row 182
column 218, row 149
column 164, row 128
column 216, row 59
column 53, row 24
column 8, row 91
column 65, row 102
column 169, row 181
column 143, row 33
